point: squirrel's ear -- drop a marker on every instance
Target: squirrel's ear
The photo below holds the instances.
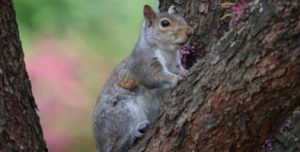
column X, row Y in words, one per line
column 171, row 9
column 149, row 15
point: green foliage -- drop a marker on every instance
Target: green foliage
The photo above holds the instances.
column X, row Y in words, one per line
column 63, row 34
column 39, row 15
column 109, row 26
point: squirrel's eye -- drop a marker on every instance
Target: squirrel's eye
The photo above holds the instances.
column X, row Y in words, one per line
column 165, row 23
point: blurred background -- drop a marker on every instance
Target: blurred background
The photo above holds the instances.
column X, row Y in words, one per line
column 71, row 46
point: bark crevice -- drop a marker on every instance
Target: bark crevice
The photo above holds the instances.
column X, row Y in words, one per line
column 242, row 90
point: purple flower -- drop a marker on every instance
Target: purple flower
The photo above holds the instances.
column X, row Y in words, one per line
column 284, row 127
column 268, row 145
column 184, row 52
column 236, row 10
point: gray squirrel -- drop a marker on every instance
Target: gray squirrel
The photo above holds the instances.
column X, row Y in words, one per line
column 131, row 98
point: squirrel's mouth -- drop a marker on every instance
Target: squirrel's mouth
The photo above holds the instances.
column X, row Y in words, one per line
column 181, row 44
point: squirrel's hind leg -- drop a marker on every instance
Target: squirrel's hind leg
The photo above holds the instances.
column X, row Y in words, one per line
column 112, row 127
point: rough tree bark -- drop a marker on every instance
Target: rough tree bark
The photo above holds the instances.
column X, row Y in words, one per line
column 19, row 123
column 244, row 87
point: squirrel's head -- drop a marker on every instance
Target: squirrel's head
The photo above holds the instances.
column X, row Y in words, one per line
column 165, row 30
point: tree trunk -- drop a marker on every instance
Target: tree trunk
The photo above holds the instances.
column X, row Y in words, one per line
column 19, row 123
column 244, row 86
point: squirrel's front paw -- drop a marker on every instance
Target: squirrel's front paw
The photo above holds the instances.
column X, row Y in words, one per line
column 184, row 72
column 141, row 128
column 175, row 79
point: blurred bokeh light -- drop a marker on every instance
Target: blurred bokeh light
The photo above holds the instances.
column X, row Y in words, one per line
column 70, row 49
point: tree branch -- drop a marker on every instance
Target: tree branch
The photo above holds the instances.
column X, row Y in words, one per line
column 241, row 91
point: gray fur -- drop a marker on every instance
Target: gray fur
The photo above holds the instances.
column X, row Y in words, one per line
column 121, row 113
